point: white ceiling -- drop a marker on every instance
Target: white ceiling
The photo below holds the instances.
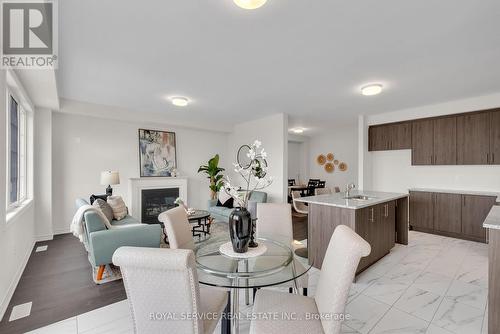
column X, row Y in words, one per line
column 307, row 58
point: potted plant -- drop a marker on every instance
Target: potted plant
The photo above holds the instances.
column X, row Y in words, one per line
column 214, row 173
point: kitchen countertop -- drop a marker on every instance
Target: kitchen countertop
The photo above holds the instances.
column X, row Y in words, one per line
column 493, row 218
column 455, row 191
column 337, row 199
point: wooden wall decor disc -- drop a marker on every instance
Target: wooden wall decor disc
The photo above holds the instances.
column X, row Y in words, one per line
column 336, row 162
column 343, row 166
column 329, row 167
column 321, row 159
column 329, row 157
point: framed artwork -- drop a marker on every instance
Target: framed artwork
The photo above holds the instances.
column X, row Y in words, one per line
column 157, row 156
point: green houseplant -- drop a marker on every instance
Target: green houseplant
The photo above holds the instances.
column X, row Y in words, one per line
column 214, row 173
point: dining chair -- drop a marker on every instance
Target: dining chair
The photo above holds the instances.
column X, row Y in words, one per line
column 299, row 206
column 162, row 281
column 344, row 251
column 291, row 182
column 321, row 184
column 177, row 228
column 311, row 185
column 337, row 189
column 276, row 219
column 322, row 191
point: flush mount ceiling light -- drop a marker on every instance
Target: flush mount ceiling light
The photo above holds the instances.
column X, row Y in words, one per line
column 371, row 89
column 179, row 101
column 250, row 4
column 298, row 130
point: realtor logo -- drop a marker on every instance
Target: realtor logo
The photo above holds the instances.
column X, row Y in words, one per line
column 29, row 37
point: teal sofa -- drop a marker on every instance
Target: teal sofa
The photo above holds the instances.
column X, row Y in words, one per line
column 101, row 243
column 221, row 214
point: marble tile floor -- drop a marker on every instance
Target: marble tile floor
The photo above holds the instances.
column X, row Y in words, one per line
column 435, row 285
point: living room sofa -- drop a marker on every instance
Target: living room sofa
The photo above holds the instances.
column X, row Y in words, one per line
column 221, row 213
column 101, row 242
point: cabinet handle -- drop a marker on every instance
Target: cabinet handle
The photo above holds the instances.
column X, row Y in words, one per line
column 487, row 158
column 492, row 158
column 463, row 199
column 372, row 219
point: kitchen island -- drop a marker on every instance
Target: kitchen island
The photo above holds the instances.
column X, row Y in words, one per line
column 380, row 218
column 492, row 222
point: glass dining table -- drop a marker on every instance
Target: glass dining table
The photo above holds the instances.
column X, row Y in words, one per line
column 273, row 267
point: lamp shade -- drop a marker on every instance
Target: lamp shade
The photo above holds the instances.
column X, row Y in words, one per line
column 110, row 177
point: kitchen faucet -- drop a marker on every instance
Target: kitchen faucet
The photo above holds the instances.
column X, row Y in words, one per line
column 348, row 189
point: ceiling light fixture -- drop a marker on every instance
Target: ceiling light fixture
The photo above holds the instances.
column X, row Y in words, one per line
column 298, row 130
column 180, row 101
column 250, row 4
column 371, row 89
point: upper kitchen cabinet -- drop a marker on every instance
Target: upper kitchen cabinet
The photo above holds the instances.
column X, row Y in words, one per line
column 473, row 139
column 394, row 136
column 495, row 137
column 445, row 141
column 422, row 142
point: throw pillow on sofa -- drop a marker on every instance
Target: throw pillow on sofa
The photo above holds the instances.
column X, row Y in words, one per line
column 225, row 200
column 105, row 208
column 119, row 208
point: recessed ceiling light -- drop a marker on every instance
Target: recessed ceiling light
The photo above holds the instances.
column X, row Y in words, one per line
column 179, row 101
column 298, row 130
column 250, row 4
column 372, row 89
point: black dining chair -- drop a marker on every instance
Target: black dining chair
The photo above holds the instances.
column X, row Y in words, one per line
column 321, row 184
column 291, row 182
column 311, row 185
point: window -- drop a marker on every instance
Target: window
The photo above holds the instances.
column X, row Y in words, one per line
column 16, row 159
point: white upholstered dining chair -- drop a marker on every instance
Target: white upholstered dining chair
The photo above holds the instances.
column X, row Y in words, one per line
column 276, row 219
column 177, row 228
column 299, row 206
column 342, row 257
column 322, row 191
column 164, row 281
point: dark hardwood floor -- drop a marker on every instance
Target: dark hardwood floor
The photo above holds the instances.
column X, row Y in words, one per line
column 59, row 284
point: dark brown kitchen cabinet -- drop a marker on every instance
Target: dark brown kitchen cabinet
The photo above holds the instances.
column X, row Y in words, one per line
column 473, row 139
column 495, row 137
column 450, row 214
column 394, row 136
column 422, row 210
column 447, row 212
column 387, row 218
column 474, row 211
column 422, row 142
column 445, row 141
column 379, row 138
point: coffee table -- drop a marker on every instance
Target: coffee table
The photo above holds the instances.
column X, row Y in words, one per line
column 203, row 221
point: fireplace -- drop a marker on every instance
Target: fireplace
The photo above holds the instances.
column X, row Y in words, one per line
column 156, row 201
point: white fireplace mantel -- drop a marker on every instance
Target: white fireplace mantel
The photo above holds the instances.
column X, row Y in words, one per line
column 136, row 185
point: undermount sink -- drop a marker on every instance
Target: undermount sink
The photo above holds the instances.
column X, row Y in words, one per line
column 359, row 197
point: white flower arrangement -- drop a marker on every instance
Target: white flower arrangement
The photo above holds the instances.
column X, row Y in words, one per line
column 255, row 175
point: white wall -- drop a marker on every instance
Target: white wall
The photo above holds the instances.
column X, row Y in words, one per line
column 17, row 236
column 83, row 146
column 343, row 143
column 392, row 170
column 43, row 174
column 272, row 132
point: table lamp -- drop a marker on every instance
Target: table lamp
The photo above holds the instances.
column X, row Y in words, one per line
column 110, row 178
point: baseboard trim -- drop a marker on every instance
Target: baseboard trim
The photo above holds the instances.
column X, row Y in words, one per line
column 44, row 237
column 62, row 231
column 15, row 282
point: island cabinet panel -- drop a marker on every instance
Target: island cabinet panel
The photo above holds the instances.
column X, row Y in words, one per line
column 447, row 213
column 402, row 221
column 494, row 282
column 495, row 137
column 445, row 141
column 422, row 142
column 322, row 221
column 474, row 212
column 422, row 210
column 473, row 139
column 388, row 218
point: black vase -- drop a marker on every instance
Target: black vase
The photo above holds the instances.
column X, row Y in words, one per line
column 240, row 229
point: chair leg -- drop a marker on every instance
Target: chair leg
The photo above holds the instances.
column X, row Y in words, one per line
column 100, row 271
column 225, row 327
column 305, row 291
